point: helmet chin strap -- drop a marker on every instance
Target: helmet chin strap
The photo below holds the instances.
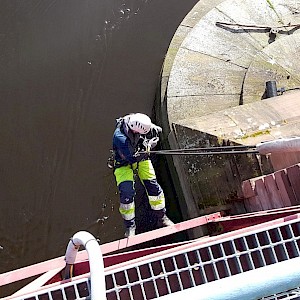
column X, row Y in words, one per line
column 126, row 119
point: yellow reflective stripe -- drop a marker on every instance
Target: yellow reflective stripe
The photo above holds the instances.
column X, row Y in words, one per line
column 157, row 202
column 127, row 211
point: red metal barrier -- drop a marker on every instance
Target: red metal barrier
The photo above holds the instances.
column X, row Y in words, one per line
column 276, row 190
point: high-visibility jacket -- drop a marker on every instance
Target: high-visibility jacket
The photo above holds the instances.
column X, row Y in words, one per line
column 126, row 144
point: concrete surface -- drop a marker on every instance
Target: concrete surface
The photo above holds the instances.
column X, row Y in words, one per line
column 213, row 84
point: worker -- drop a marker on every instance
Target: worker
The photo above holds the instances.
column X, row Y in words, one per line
column 135, row 132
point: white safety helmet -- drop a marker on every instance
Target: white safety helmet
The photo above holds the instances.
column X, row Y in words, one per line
column 139, row 123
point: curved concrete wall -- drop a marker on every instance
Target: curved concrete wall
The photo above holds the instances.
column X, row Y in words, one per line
column 215, row 65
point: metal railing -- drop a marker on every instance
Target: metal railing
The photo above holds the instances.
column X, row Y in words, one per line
column 192, row 265
column 288, row 295
column 79, row 289
column 184, row 269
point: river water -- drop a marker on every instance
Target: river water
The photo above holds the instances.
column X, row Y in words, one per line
column 68, row 69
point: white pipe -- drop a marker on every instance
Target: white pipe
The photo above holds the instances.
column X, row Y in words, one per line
column 280, row 145
column 251, row 285
column 98, row 288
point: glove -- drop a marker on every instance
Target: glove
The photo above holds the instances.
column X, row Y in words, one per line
column 150, row 144
column 156, row 130
column 153, row 142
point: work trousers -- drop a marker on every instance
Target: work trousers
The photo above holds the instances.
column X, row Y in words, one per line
column 125, row 181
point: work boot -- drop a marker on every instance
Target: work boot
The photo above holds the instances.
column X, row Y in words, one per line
column 164, row 222
column 130, row 231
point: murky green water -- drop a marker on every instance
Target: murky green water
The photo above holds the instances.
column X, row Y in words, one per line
column 68, row 69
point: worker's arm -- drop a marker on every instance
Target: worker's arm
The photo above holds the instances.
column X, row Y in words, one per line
column 124, row 149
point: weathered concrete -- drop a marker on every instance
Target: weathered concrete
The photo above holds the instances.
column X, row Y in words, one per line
column 278, row 61
column 216, row 179
column 215, row 60
column 169, row 140
column 251, row 123
column 187, row 25
column 210, row 70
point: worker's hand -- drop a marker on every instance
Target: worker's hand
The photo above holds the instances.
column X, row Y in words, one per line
column 150, row 144
column 153, row 142
column 156, row 130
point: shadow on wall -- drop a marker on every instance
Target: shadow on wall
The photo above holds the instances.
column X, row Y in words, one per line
column 215, row 181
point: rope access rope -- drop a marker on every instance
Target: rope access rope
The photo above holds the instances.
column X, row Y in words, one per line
column 205, row 151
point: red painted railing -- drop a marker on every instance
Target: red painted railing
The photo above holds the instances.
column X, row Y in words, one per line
column 276, row 190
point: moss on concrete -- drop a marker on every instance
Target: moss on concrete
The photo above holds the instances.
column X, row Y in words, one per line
column 256, row 134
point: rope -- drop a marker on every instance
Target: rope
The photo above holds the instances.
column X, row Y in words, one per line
column 205, row 151
column 208, row 148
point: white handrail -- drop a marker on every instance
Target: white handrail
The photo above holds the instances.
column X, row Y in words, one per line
column 84, row 238
column 250, row 285
column 279, row 145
